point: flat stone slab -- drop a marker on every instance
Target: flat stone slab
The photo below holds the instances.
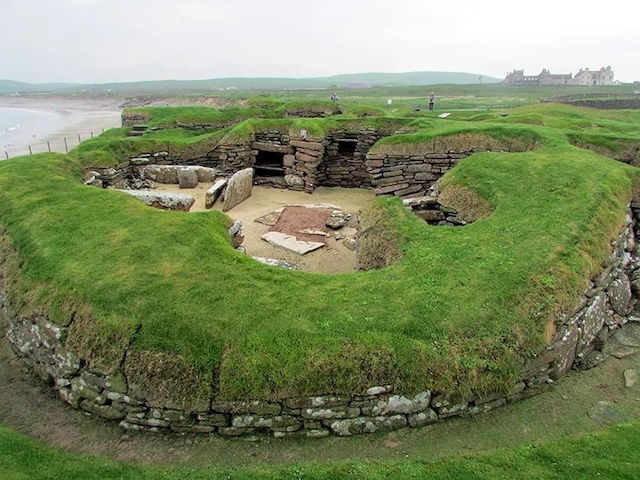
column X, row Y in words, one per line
column 630, row 378
column 321, row 206
column 274, row 262
column 168, row 174
column 300, row 221
column 270, row 218
column 628, row 335
column 187, row 178
column 212, row 195
column 291, row 243
column 163, row 200
column 419, row 201
column 605, row 412
column 239, row 188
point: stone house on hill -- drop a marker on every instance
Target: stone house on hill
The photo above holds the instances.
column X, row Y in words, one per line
column 585, row 77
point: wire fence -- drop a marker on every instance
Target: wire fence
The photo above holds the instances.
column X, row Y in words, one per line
column 60, row 145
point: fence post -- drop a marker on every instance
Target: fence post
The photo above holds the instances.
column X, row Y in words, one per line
column 6, row 154
column 30, row 152
column 91, row 134
column 49, row 146
column 79, row 141
column 66, row 147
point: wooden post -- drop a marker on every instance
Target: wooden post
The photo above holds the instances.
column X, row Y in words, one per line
column 30, row 152
column 66, row 147
column 91, row 134
column 6, row 155
column 79, row 141
column 49, row 146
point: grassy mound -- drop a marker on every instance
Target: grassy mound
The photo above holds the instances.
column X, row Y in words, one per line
column 622, row 148
column 462, row 310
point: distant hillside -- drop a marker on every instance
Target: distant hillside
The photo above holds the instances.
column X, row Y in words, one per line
column 258, row 83
column 410, row 78
column 12, row 86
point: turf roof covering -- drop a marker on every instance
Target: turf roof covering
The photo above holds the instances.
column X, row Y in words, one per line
column 462, row 310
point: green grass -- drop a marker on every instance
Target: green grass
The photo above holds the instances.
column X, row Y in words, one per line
column 610, row 454
column 462, row 310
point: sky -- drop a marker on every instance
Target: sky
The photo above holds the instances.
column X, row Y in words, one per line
column 100, row 41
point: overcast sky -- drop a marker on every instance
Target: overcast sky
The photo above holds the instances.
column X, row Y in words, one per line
column 129, row 40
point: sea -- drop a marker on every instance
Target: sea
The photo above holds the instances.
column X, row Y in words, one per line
column 20, row 128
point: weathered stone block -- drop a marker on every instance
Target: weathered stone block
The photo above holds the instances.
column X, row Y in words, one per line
column 187, row 178
column 214, row 420
column 619, row 294
column 214, row 193
column 423, row 418
column 330, row 413
column 239, row 189
column 191, row 428
column 103, row 411
column 294, row 181
column 317, row 402
column 289, row 160
column 390, row 188
column 307, row 144
column 303, row 157
column 592, row 321
column 163, row 200
column 565, row 351
column 355, row 426
column 399, row 404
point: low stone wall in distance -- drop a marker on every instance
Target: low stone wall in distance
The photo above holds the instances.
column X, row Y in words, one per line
column 604, row 307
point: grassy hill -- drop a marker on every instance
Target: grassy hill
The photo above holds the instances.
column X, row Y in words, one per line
column 257, row 83
column 13, row 86
column 410, row 78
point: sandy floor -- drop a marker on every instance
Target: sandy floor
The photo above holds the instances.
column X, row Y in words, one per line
column 334, row 257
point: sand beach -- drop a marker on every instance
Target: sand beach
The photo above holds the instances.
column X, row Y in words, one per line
column 54, row 119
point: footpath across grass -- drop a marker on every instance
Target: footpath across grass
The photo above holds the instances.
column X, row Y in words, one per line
column 610, row 454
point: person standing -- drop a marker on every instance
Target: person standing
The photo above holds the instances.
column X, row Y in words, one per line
column 432, row 99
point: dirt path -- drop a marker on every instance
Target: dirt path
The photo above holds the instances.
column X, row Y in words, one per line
column 29, row 406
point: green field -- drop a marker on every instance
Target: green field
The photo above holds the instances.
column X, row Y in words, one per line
column 611, row 454
column 462, row 310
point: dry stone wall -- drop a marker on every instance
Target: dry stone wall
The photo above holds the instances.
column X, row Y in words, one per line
column 607, row 303
column 409, row 175
column 341, row 159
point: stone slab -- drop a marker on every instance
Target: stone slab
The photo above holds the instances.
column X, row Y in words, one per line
column 239, row 188
column 163, row 200
column 212, row 195
column 187, row 178
column 630, row 378
column 291, row 243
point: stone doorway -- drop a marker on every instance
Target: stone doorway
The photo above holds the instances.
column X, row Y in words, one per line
column 269, row 168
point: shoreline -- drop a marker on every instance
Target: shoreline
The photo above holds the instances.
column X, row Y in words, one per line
column 78, row 120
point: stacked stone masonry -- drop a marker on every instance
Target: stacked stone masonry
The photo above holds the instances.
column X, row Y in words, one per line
column 607, row 303
column 341, row 159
